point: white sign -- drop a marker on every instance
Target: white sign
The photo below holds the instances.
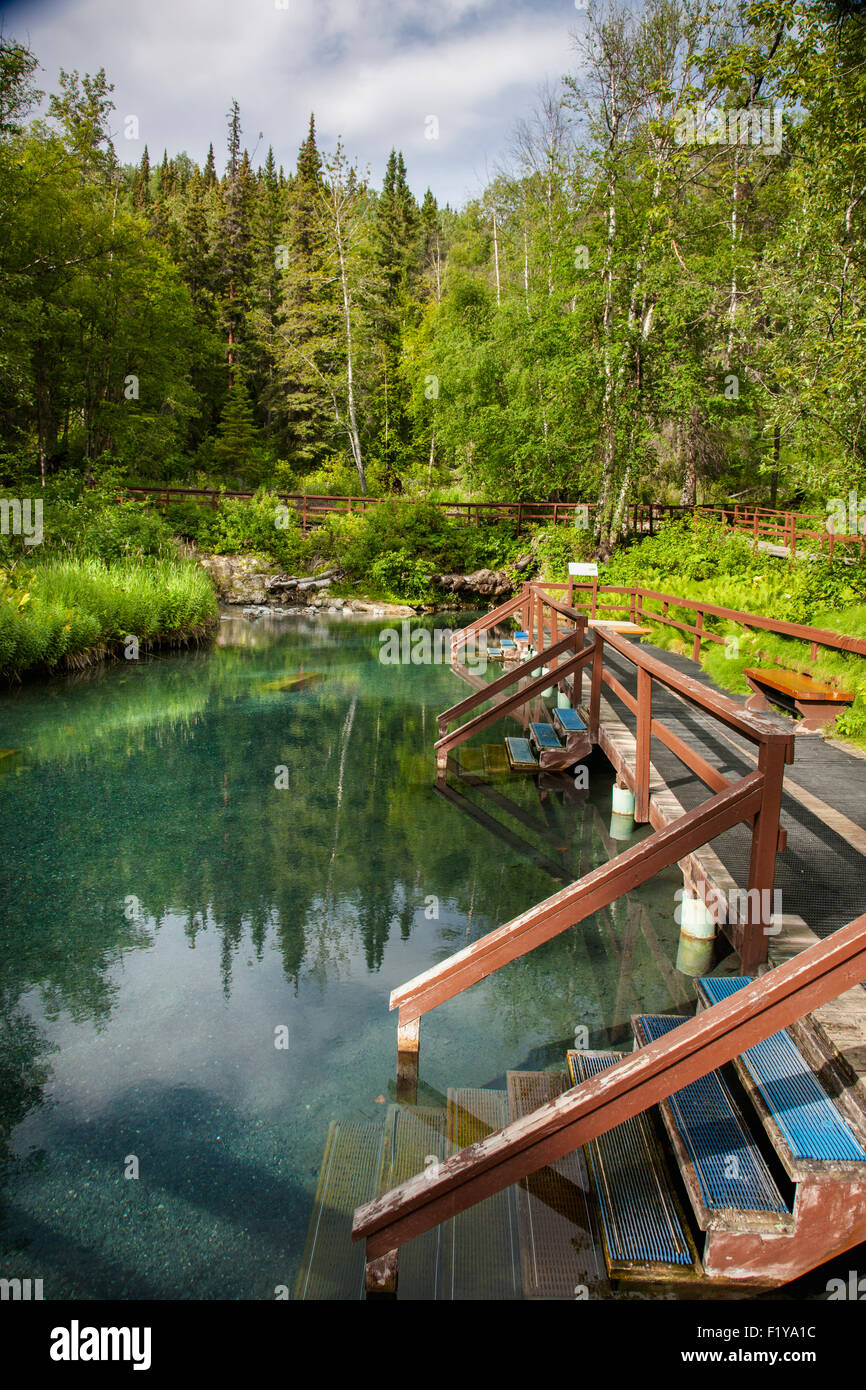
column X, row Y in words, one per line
column 575, row 568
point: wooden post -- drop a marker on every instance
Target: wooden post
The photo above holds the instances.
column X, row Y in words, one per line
column 595, row 687
column 642, row 745
column 408, row 1054
column 380, row 1278
column 754, row 933
column 594, row 595
column 696, row 644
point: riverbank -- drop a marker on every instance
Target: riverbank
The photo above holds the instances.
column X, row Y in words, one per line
column 68, row 614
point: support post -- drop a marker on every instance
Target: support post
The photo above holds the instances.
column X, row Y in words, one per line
column 408, row 1055
column 642, row 741
column 595, row 688
column 755, row 931
column 696, row 644
column 380, row 1278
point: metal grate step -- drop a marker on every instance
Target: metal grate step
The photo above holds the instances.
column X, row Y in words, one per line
column 724, row 1172
column 559, row 1242
column 807, row 1130
column 643, row 1230
column 480, row 1257
column 414, row 1142
column 332, row 1267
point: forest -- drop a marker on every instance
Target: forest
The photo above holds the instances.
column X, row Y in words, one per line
column 658, row 295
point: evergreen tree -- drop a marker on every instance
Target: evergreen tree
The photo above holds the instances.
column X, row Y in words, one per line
column 236, row 438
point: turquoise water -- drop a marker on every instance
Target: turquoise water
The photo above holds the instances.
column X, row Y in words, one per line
column 167, row 911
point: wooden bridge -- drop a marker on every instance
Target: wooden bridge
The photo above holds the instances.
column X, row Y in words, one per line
column 792, row 1112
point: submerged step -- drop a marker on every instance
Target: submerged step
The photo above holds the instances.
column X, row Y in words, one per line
column 479, row 1246
column 414, row 1142
column 725, row 1174
column 559, row 1244
column 332, row 1267
column 495, row 760
column 643, row 1228
column 808, row 1131
column 520, row 755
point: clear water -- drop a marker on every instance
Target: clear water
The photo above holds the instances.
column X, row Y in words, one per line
column 165, row 909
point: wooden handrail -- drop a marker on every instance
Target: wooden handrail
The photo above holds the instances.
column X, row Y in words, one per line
column 532, row 688
column 642, row 1079
column 492, row 688
column 497, row 615
column 729, row 712
column 579, row 900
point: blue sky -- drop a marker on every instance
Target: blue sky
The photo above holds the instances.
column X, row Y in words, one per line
column 372, row 71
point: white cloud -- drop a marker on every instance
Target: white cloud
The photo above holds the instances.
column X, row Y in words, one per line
column 371, row 70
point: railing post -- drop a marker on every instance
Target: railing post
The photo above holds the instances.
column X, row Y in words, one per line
column 642, row 745
column 755, row 931
column 595, row 686
column 696, row 644
column 408, row 1055
column 442, row 753
column 380, row 1278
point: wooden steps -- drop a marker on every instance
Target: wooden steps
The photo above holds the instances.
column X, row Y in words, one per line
column 480, row 1257
column 559, row 1246
column 645, row 1233
column 726, row 1176
column 332, row 1268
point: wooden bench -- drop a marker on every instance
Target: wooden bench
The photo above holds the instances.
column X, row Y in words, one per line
column 817, row 702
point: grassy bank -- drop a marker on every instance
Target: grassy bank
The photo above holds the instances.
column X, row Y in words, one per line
column 102, row 573
column 68, row 613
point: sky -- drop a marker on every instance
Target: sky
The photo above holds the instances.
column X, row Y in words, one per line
column 442, row 80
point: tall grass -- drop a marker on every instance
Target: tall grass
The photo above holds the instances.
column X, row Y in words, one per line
column 67, row 612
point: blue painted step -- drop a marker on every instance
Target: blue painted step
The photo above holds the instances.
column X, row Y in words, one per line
column 568, row 721
column 797, row 1108
column 643, row 1230
column 520, row 755
column 543, row 736
column 724, row 1171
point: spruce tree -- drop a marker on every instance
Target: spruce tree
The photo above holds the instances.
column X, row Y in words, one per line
column 236, row 438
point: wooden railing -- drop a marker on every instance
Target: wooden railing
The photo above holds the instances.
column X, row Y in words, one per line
column 633, row 600
column 642, row 1079
column 755, row 799
column 789, row 529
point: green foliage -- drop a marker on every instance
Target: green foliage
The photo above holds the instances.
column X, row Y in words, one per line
column 699, row 560
column 78, row 606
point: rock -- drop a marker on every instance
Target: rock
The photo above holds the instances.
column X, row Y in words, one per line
column 489, row 583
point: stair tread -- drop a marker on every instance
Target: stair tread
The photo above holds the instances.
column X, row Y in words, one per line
column 414, row 1141
column 569, row 721
column 332, row 1267
column 544, row 735
column 807, row 1129
column 643, row 1231
column 495, row 758
column 558, row 1246
column 520, row 755
column 479, row 1245
column 723, row 1169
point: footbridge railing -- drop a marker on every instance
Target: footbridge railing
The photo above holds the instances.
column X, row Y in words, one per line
column 642, row 1079
column 755, row 799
